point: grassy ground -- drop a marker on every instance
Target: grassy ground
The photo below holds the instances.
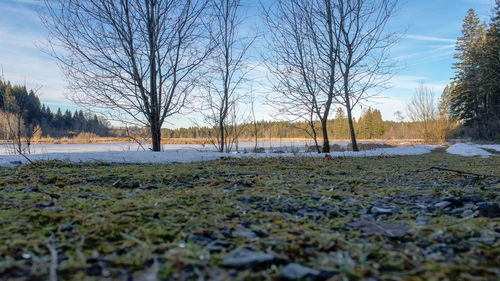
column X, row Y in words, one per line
column 386, row 218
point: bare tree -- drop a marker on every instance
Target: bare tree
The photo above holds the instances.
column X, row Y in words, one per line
column 363, row 50
column 302, row 60
column 423, row 111
column 223, row 85
column 254, row 120
column 134, row 58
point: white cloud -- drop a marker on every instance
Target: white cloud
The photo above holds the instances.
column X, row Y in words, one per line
column 429, row 38
column 410, row 82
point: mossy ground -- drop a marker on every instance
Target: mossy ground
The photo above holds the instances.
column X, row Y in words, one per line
column 103, row 227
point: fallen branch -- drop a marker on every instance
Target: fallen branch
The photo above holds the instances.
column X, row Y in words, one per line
column 26, row 157
column 53, row 259
column 460, row 172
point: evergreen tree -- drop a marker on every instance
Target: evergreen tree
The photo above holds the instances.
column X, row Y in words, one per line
column 475, row 95
column 465, row 94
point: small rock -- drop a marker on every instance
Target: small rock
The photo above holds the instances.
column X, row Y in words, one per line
column 247, row 200
column 223, row 234
column 380, row 211
column 295, row 271
column 217, row 246
column 182, row 183
column 469, row 206
column 29, row 189
column 66, row 227
column 44, row 205
column 467, row 213
column 244, row 258
column 367, row 217
column 247, row 183
column 476, row 198
column 308, row 213
column 422, row 220
column 488, row 209
column 483, row 240
column 244, row 233
column 442, row 204
column 262, row 233
column 395, row 231
column 148, row 186
column 201, row 239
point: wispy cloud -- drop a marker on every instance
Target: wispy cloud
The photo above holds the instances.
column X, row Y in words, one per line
column 429, row 38
column 25, row 1
column 411, row 82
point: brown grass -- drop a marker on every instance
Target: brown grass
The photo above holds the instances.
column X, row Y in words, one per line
column 83, row 140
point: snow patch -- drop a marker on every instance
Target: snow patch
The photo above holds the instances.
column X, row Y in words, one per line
column 495, row 147
column 469, row 149
column 191, row 155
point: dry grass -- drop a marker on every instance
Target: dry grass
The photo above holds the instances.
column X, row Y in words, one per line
column 95, row 139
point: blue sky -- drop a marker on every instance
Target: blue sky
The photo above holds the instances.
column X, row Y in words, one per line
column 424, row 53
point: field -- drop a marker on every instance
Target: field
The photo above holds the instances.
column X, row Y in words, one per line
column 429, row 217
column 96, row 139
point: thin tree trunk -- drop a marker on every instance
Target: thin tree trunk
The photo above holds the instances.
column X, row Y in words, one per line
column 351, row 127
column 222, row 136
column 315, row 137
column 326, row 142
column 19, row 143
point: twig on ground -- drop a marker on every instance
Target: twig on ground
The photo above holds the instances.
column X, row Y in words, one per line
column 26, row 157
column 53, row 259
column 459, row 172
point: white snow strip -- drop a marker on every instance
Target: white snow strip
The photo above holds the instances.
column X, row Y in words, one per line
column 468, row 149
column 491, row 146
column 190, row 155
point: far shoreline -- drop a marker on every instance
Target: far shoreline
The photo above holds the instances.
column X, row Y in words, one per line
column 204, row 141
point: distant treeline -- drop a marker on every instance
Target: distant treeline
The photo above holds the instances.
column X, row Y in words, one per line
column 369, row 126
column 22, row 112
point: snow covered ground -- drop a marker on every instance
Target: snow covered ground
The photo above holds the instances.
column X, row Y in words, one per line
column 127, row 153
column 471, row 149
column 286, row 146
column 192, row 155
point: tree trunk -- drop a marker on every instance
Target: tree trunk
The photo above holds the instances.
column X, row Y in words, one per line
column 326, row 143
column 222, row 136
column 315, row 137
column 351, row 128
column 156, row 135
column 19, row 143
column 255, row 129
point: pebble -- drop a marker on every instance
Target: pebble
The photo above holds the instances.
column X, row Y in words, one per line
column 476, row 198
column 483, row 240
column 395, row 231
column 488, row 209
column 148, row 186
column 29, row 189
column 245, row 258
column 467, row 213
column 380, row 211
column 244, row 233
column 295, row 271
column 422, row 220
column 442, row 204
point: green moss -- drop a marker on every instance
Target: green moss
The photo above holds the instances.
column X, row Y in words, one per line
column 119, row 231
